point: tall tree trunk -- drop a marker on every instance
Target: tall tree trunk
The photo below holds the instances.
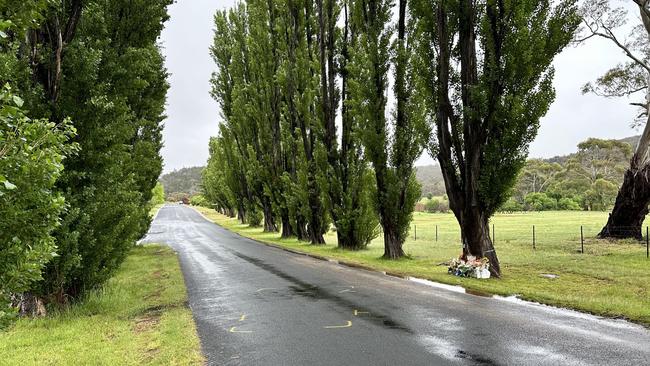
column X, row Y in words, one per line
column 269, row 219
column 241, row 213
column 287, row 229
column 301, row 228
column 475, row 231
column 631, row 206
column 316, row 229
column 392, row 243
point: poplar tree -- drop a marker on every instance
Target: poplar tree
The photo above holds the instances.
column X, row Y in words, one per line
column 112, row 84
column 391, row 144
column 486, row 69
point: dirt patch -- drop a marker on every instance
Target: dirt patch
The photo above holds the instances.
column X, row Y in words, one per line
column 151, row 353
column 147, row 322
column 160, row 274
column 154, row 295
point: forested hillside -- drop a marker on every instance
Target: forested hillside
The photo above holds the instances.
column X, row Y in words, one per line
column 182, row 182
column 585, row 180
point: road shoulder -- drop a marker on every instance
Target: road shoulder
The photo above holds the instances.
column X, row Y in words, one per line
column 139, row 317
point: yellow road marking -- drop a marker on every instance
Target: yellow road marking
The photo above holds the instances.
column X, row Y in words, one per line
column 347, row 325
column 234, row 330
column 357, row 312
column 243, row 317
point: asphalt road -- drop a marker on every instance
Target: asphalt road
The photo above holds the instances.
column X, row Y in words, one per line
column 257, row 305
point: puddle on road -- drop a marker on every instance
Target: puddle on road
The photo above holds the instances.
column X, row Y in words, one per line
column 476, row 360
column 478, row 293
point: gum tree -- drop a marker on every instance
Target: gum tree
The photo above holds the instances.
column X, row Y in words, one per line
column 628, row 79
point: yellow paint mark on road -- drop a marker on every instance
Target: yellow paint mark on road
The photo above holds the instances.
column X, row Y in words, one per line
column 243, row 317
column 234, row 330
column 347, row 325
column 357, row 312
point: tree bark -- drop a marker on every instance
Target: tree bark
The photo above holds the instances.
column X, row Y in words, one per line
column 392, row 243
column 631, row 207
column 269, row 219
column 301, row 228
column 316, row 229
column 287, row 229
column 56, row 36
column 241, row 213
column 475, row 231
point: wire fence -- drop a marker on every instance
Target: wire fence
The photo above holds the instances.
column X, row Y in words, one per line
column 536, row 237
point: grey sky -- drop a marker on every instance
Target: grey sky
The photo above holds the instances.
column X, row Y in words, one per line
column 193, row 115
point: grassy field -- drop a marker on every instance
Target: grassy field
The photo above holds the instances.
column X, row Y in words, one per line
column 140, row 317
column 610, row 279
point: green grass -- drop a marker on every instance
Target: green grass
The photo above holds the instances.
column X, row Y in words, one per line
column 154, row 210
column 610, row 279
column 139, row 317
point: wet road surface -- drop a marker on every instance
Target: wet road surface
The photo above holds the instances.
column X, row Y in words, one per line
column 257, row 305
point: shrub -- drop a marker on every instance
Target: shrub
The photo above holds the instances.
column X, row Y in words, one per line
column 431, row 205
column 157, row 194
column 198, row 200
column 254, row 218
column 30, row 163
column 512, row 205
column 568, row 204
column 540, row 202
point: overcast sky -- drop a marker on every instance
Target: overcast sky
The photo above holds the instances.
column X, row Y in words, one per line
column 193, row 115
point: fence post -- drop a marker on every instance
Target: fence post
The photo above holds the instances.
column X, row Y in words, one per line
column 647, row 243
column 416, row 232
column 534, row 237
column 436, row 232
column 582, row 240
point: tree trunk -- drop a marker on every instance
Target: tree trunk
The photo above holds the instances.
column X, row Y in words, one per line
column 347, row 238
column 301, row 228
column 241, row 213
column 316, row 221
column 269, row 220
column 287, row 229
column 392, row 244
column 631, row 207
column 29, row 305
column 475, row 232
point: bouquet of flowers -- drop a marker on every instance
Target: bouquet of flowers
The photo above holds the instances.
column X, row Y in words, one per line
column 470, row 266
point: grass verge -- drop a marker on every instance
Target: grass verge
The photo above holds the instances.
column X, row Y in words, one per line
column 608, row 279
column 139, row 317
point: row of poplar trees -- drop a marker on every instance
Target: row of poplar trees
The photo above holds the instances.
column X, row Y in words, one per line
column 81, row 113
column 327, row 104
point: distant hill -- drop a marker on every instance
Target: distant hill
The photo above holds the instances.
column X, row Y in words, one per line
column 185, row 180
column 188, row 180
column 430, row 178
column 633, row 140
